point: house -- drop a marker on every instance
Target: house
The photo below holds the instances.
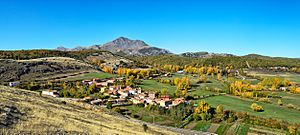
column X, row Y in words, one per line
column 13, row 84
column 135, row 100
column 139, row 90
column 177, row 101
column 102, row 84
column 128, row 88
column 165, row 103
column 121, row 101
column 123, row 93
column 88, row 98
column 167, row 74
column 86, row 81
column 111, row 81
column 114, row 87
column 98, row 102
column 141, row 95
column 152, row 95
column 180, row 72
column 165, row 97
column 52, row 93
column 95, row 80
column 132, row 92
column 283, row 88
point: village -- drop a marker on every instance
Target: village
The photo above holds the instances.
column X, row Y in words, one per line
column 122, row 95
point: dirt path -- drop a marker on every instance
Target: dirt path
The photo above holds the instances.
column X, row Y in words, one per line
column 213, row 127
column 231, row 130
column 191, row 125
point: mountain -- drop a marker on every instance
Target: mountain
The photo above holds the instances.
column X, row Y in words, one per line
column 124, row 46
column 204, row 54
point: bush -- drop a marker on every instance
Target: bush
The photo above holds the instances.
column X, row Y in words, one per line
column 257, row 108
column 279, row 102
column 117, row 109
column 291, row 106
column 266, row 100
column 292, row 130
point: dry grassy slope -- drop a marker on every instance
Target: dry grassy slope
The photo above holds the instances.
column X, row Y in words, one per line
column 49, row 114
column 41, row 69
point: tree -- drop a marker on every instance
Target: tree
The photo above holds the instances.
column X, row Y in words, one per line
column 92, row 89
column 279, row 102
column 164, row 91
column 109, row 105
column 184, row 92
column 219, row 76
column 219, row 109
column 287, row 82
column 257, row 108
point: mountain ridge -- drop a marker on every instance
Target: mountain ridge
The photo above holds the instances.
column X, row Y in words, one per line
column 122, row 45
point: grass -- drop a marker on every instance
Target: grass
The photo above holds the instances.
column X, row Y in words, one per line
column 149, row 116
column 289, row 98
column 222, row 128
column 152, row 85
column 270, row 110
column 294, row 77
column 197, row 89
column 90, row 76
column 202, row 126
column 242, row 129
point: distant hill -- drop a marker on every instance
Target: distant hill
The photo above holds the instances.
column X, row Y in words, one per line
column 204, row 54
column 123, row 46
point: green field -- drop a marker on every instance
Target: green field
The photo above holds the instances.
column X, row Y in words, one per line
column 202, row 126
column 288, row 98
column 223, row 128
column 294, row 77
column 270, row 110
column 89, row 76
column 150, row 116
column 152, row 85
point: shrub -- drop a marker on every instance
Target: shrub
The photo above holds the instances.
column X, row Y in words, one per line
column 291, row 106
column 266, row 100
column 292, row 130
column 145, row 127
column 117, row 109
column 257, row 108
column 279, row 102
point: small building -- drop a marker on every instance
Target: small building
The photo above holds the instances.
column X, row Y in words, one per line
column 177, row 101
column 52, row 93
column 123, row 93
column 13, row 84
column 98, row 102
column 132, row 92
column 121, row 101
column 152, row 95
column 102, row 84
column 88, row 98
column 96, row 80
column 111, row 81
column 180, row 72
column 165, row 103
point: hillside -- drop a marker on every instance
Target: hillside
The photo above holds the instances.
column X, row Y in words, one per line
column 23, row 111
column 123, row 46
column 29, row 70
column 235, row 61
column 205, row 54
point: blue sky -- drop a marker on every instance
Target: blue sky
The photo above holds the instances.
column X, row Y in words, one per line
column 267, row 27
